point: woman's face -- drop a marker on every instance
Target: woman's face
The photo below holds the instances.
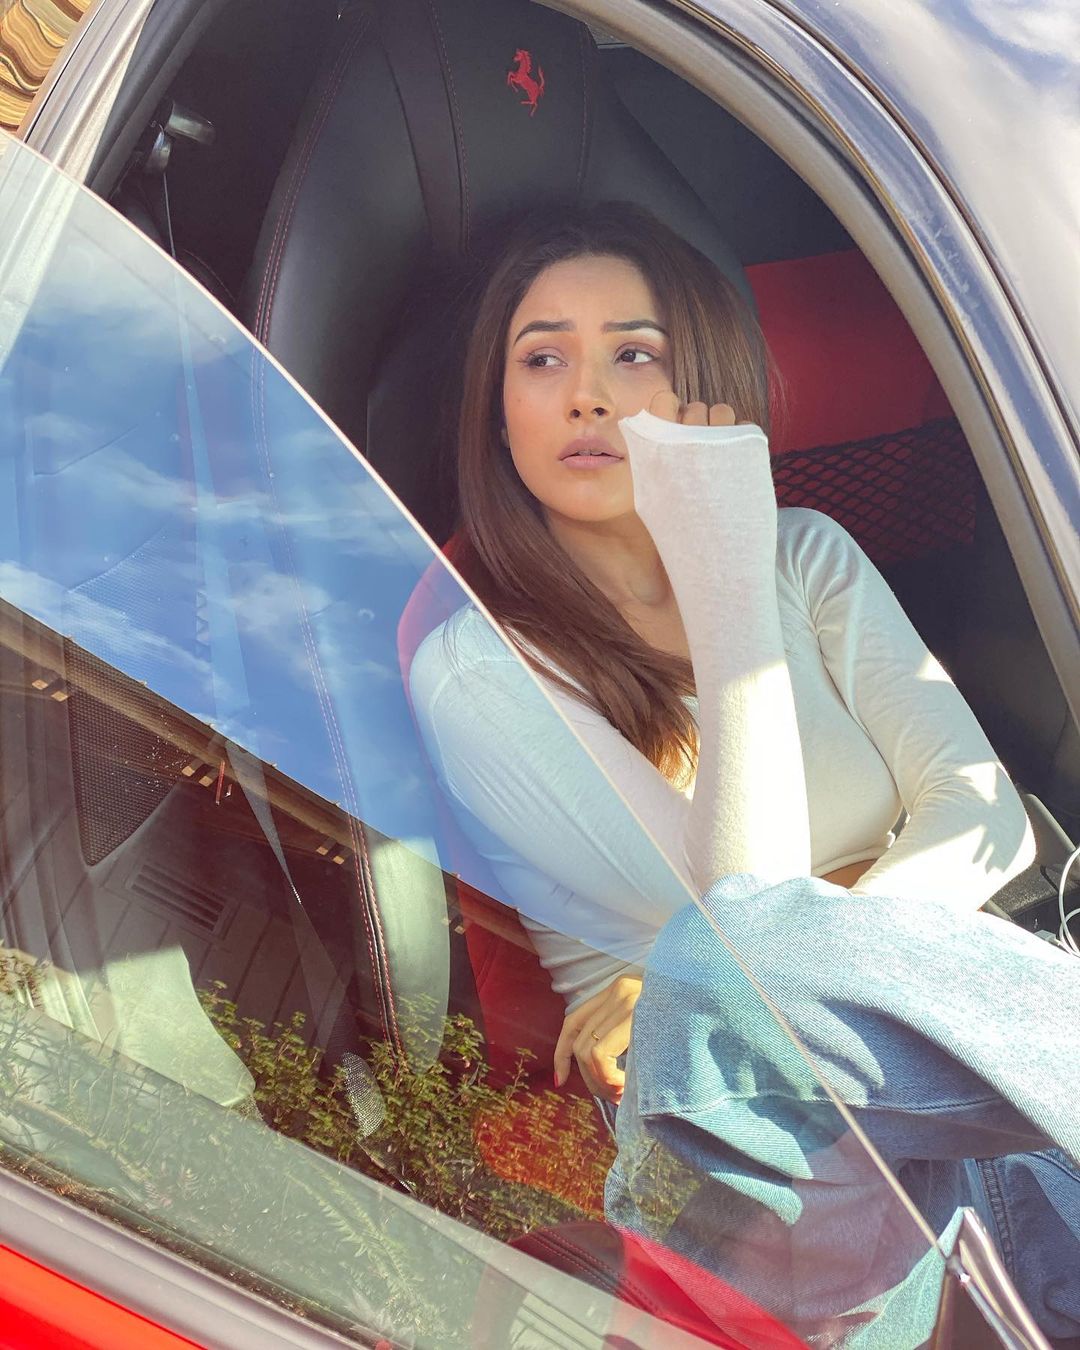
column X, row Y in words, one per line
column 585, row 347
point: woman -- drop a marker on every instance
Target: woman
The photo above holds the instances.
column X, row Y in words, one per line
column 743, row 677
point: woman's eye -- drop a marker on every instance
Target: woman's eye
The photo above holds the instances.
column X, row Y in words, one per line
column 541, row 360
column 635, row 356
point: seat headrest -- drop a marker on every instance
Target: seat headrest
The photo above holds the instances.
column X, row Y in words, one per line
column 430, row 120
column 831, row 313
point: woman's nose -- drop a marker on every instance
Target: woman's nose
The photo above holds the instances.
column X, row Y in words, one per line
column 596, row 411
column 591, row 399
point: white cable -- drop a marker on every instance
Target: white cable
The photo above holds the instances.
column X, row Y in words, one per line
column 1064, row 936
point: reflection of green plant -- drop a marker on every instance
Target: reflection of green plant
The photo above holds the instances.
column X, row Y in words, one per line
column 289, row 1222
column 214, row 1187
column 20, row 975
column 438, row 1122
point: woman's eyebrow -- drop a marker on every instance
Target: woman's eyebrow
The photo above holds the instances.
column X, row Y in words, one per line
column 567, row 326
column 545, row 326
column 629, row 325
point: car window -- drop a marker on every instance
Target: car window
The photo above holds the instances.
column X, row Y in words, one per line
column 245, row 941
column 32, row 35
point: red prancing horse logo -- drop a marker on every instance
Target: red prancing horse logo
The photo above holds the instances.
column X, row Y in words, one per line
column 521, row 78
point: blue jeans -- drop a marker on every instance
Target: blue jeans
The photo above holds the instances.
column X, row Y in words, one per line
column 1030, row 1204
column 945, row 1034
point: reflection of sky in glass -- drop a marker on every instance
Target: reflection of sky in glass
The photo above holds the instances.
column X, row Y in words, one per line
column 174, row 506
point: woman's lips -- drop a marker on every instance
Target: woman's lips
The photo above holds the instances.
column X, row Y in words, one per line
column 591, row 461
column 589, row 452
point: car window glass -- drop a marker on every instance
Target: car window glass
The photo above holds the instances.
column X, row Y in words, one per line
column 245, row 942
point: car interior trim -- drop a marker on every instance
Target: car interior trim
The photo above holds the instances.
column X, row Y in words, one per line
column 58, row 70
column 71, row 116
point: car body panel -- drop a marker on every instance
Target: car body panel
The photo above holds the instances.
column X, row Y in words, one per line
column 44, row 1311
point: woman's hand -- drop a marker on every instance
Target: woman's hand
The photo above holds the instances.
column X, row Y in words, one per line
column 597, row 1032
column 666, row 405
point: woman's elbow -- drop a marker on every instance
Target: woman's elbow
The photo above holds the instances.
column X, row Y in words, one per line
column 1009, row 838
column 1024, row 849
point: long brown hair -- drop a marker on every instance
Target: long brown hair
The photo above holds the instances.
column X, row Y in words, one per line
column 547, row 605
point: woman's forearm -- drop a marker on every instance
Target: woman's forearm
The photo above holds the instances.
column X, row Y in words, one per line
column 706, row 496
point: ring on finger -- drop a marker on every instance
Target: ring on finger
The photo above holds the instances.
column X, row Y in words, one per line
column 595, row 1037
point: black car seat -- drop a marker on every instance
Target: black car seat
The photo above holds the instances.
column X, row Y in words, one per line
column 430, row 120
column 415, row 138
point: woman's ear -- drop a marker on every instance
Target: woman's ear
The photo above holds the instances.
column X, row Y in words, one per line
column 504, row 437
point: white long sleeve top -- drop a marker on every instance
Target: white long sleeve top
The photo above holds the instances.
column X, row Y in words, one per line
column 823, row 721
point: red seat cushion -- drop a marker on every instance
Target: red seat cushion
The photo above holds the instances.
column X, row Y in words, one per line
column 521, row 1013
